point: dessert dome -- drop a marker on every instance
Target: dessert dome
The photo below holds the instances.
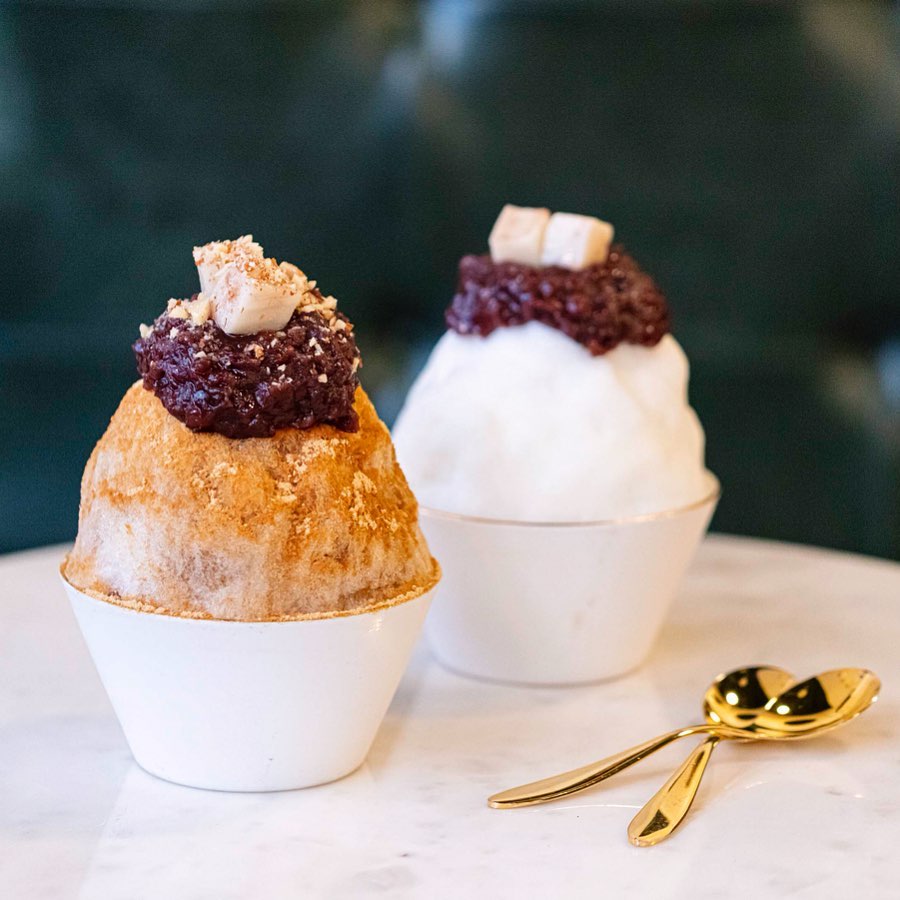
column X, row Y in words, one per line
column 558, row 394
column 307, row 522
column 248, row 476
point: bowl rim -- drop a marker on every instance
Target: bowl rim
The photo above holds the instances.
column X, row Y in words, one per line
column 710, row 498
column 129, row 605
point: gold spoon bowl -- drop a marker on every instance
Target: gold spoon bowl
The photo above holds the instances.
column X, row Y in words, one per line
column 818, row 704
column 736, row 699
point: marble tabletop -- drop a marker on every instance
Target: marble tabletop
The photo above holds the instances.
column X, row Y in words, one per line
column 817, row 820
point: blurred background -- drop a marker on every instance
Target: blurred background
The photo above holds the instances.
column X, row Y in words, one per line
column 747, row 153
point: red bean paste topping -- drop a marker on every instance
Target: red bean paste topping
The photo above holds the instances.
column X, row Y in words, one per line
column 249, row 385
column 599, row 306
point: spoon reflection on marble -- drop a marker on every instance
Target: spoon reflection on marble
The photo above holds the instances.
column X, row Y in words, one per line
column 805, row 710
column 735, row 699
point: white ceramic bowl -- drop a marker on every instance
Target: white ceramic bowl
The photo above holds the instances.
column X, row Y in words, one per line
column 556, row 603
column 249, row 706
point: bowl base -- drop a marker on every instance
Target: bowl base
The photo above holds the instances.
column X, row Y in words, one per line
column 245, row 788
column 510, row 681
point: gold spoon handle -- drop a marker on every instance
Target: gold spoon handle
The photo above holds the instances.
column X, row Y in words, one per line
column 578, row 779
column 666, row 809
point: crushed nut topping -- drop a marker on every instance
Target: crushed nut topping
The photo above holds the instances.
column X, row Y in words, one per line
column 248, row 380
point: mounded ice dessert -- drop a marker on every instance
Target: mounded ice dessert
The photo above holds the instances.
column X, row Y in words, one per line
column 558, row 393
column 249, row 476
column 304, row 523
column 559, row 465
column 249, row 572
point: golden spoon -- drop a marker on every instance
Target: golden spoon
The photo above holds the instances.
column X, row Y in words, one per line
column 797, row 714
column 762, row 683
column 802, row 710
column 735, row 699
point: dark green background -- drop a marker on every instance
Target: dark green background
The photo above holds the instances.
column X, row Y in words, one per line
column 747, row 153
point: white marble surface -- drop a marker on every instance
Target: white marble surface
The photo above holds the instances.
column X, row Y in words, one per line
column 813, row 820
